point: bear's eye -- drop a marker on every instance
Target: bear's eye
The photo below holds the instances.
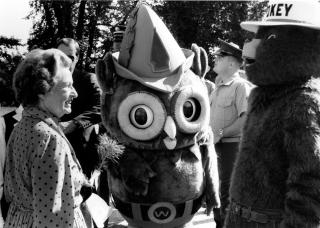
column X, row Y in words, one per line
column 264, row 33
column 272, row 36
column 249, row 36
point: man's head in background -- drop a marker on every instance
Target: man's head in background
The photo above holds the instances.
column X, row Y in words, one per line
column 227, row 58
column 71, row 48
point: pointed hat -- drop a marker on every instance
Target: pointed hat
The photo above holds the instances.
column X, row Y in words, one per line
column 149, row 54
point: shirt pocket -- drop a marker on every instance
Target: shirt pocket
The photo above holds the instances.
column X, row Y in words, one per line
column 227, row 108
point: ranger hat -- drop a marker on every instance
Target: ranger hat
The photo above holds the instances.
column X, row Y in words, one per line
column 304, row 13
column 226, row 48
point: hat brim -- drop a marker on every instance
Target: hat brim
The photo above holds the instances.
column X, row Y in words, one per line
column 252, row 26
column 228, row 49
column 222, row 42
column 165, row 84
column 220, row 52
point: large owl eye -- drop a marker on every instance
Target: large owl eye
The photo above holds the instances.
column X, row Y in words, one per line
column 191, row 109
column 141, row 116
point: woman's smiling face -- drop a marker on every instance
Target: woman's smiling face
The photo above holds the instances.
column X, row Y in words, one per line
column 58, row 100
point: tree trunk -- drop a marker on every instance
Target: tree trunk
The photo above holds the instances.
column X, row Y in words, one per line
column 80, row 24
column 49, row 20
column 92, row 30
column 80, row 29
column 63, row 13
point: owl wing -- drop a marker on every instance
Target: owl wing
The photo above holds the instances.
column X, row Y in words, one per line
column 135, row 173
column 210, row 162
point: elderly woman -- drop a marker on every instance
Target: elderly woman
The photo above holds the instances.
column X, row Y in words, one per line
column 43, row 178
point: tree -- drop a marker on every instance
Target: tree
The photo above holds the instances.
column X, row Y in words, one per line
column 203, row 22
column 91, row 23
column 10, row 56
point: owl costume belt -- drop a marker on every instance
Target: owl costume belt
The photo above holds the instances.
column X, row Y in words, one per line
column 160, row 214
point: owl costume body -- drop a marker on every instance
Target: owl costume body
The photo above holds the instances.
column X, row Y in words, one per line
column 159, row 151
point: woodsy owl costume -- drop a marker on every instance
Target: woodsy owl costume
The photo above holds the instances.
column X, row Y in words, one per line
column 276, row 178
column 159, row 151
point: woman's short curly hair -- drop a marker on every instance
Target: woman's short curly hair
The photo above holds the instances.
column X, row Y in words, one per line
column 35, row 74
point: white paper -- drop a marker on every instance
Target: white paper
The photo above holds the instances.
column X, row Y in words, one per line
column 99, row 209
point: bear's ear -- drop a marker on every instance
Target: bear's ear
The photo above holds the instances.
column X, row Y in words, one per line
column 105, row 73
column 200, row 61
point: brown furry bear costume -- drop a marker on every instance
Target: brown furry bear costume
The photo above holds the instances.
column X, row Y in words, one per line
column 276, row 179
column 159, row 151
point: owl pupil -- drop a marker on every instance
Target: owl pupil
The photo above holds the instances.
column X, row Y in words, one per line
column 188, row 109
column 141, row 116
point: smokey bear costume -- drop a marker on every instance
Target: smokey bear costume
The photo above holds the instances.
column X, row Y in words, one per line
column 276, row 179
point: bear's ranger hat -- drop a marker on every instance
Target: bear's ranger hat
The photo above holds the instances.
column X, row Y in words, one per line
column 149, row 54
column 304, row 13
column 226, row 48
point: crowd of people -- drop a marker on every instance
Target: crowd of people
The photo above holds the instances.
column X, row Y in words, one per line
column 59, row 123
column 48, row 145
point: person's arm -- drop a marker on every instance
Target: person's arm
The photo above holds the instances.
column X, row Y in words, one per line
column 90, row 104
column 235, row 128
column 2, row 143
column 52, row 184
column 91, row 113
column 2, row 160
column 210, row 87
column 241, row 102
column 301, row 134
column 211, row 173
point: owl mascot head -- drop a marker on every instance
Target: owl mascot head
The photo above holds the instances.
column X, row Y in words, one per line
column 161, row 162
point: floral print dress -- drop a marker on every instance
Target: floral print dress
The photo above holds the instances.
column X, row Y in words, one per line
column 42, row 175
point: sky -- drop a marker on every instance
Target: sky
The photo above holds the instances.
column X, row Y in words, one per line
column 12, row 22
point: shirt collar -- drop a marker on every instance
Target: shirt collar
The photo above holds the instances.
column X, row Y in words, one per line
column 18, row 114
column 229, row 81
column 48, row 118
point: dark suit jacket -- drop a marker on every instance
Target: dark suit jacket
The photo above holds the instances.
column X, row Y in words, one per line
column 86, row 113
column 10, row 121
column 86, row 107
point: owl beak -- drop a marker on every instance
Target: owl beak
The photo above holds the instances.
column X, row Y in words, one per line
column 171, row 130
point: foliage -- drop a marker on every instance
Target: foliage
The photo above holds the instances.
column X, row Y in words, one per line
column 203, row 22
column 10, row 57
column 92, row 23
